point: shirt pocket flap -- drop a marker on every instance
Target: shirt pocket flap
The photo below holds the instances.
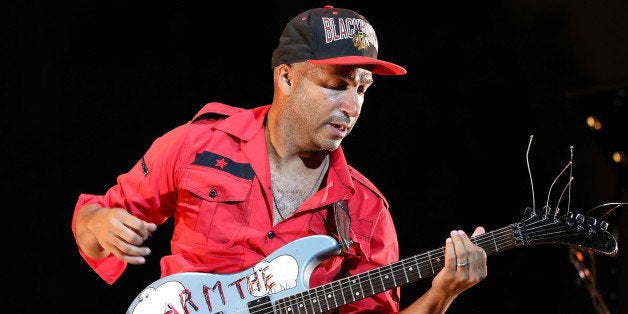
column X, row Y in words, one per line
column 215, row 186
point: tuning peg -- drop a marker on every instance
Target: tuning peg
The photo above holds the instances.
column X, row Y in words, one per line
column 569, row 219
column 580, row 218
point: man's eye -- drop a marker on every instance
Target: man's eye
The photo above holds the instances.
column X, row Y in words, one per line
column 338, row 86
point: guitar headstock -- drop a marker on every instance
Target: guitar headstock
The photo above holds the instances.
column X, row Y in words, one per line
column 542, row 227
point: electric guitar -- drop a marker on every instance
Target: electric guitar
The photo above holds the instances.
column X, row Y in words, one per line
column 280, row 282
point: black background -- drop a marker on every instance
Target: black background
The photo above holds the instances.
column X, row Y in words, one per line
column 86, row 86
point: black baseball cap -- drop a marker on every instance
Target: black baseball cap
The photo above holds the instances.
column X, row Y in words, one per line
column 331, row 35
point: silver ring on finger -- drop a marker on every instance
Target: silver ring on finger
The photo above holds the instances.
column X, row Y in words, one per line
column 462, row 264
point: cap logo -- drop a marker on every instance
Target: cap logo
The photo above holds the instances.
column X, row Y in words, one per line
column 360, row 32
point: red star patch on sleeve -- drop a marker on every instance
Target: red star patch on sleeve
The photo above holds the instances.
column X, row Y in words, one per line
column 220, row 163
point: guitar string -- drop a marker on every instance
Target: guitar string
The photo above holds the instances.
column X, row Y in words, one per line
column 403, row 268
column 438, row 253
column 503, row 236
column 497, row 236
column 494, row 236
column 301, row 297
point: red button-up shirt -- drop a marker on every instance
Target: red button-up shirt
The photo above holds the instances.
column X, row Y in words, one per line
column 212, row 175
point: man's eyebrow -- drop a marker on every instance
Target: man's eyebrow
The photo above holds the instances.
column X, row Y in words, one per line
column 361, row 78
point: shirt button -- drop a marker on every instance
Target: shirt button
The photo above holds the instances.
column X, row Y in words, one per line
column 213, row 193
column 271, row 234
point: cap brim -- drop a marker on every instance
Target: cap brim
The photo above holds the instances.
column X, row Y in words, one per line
column 380, row 67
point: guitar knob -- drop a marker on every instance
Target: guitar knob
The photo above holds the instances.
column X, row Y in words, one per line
column 591, row 221
column 603, row 225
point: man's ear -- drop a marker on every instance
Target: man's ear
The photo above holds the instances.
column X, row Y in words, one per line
column 288, row 79
column 284, row 79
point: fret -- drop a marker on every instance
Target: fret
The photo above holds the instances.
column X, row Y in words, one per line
column 384, row 276
column 344, row 299
column 327, row 300
column 405, row 272
column 312, row 295
column 381, row 275
column 283, row 306
column 352, row 287
column 276, row 307
column 359, row 294
column 418, row 267
column 296, row 304
column 494, row 242
column 294, row 308
column 424, row 264
column 329, row 297
column 415, row 272
column 300, row 307
column 429, row 258
column 354, row 291
column 347, row 292
column 392, row 275
column 315, row 302
column 372, row 291
column 386, row 282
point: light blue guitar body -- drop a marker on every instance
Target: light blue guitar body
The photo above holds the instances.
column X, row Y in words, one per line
column 255, row 290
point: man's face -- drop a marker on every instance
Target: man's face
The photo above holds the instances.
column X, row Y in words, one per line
column 326, row 101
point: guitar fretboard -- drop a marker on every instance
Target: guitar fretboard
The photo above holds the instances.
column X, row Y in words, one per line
column 350, row 289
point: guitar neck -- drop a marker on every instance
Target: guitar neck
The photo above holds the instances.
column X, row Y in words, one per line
column 253, row 288
column 350, row 289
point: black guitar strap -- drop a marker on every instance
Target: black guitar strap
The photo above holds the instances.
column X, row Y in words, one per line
column 342, row 222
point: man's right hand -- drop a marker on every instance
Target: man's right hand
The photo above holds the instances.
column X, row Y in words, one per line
column 101, row 231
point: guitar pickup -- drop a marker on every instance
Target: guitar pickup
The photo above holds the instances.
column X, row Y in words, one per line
column 260, row 301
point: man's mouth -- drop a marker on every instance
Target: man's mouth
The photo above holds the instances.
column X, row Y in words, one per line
column 340, row 126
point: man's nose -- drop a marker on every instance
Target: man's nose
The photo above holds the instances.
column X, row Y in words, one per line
column 351, row 103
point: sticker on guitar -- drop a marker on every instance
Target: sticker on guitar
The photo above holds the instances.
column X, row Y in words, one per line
column 280, row 282
column 266, row 277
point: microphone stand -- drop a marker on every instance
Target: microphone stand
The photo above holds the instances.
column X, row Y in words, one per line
column 588, row 278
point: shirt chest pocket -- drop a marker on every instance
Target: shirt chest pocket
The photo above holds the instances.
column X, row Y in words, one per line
column 213, row 206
